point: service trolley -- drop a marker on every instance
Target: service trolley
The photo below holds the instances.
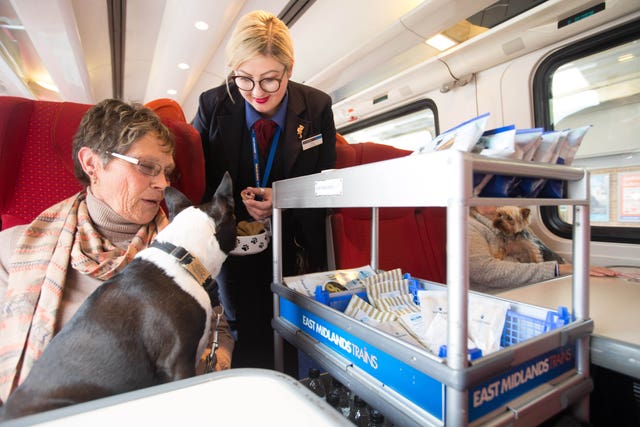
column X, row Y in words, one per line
column 522, row 384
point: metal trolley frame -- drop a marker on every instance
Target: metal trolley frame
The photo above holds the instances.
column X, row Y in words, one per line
column 440, row 179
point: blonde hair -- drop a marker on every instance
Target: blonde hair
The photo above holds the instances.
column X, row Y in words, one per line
column 259, row 33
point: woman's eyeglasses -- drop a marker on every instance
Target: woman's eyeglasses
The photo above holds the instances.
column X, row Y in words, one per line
column 268, row 84
column 146, row 167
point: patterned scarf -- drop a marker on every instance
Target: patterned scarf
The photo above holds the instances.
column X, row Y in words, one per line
column 60, row 236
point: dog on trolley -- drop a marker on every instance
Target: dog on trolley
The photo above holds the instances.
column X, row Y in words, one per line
column 145, row 326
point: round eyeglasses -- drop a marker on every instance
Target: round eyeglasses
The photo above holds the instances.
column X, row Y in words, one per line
column 146, row 167
column 268, row 84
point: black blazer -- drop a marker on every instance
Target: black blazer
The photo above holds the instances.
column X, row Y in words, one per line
column 226, row 143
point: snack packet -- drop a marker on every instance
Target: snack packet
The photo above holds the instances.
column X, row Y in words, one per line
column 546, row 153
column 415, row 324
column 387, row 284
column 462, row 137
column 360, row 310
column 527, row 142
column 496, row 143
column 399, row 304
column 566, row 152
column 486, row 322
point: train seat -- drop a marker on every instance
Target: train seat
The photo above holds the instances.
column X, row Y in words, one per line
column 36, row 167
column 408, row 238
column 189, row 156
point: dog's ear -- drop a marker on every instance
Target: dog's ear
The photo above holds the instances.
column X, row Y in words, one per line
column 176, row 201
column 224, row 192
column 525, row 212
column 221, row 209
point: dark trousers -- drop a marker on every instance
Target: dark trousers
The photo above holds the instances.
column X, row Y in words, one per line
column 244, row 284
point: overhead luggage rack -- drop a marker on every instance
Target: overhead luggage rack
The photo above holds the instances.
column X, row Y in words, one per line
column 527, row 381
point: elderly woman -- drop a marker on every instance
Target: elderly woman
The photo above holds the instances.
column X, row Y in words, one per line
column 123, row 155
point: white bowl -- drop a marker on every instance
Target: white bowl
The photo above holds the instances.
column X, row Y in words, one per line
column 249, row 245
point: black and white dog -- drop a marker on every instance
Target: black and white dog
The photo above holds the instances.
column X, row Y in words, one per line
column 147, row 325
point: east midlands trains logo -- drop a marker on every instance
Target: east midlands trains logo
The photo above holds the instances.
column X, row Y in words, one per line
column 525, row 376
column 343, row 343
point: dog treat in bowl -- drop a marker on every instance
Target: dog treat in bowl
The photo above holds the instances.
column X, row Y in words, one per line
column 252, row 238
column 249, row 228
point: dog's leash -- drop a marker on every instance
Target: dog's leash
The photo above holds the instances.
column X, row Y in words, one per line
column 212, row 358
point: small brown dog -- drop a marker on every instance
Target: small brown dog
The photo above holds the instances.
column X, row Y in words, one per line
column 516, row 242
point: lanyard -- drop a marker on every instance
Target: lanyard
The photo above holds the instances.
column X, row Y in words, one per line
column 256, row 158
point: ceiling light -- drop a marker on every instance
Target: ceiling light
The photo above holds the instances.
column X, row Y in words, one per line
column 625, row 57
column 441, row 42
column 183, row 66
column 201, row 25
column 172, row 91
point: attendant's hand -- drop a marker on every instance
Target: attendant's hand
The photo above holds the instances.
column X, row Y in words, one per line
column 258, row 209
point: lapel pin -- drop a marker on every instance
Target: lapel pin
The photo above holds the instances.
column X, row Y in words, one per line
column 299, row 130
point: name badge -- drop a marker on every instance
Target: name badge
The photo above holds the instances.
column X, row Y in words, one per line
column 312, row 142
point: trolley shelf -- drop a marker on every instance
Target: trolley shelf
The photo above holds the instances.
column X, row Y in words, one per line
column 412, row 386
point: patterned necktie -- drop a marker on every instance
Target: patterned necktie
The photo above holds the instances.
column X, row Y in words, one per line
column 264, row 129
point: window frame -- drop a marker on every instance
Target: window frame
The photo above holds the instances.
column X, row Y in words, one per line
column 542, row 118
column 403, row 110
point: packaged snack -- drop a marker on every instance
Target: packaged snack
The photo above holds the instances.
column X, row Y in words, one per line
column 360, row 310
column 387, row 284
column 463, row 137
column 432, row 303
column 350, row 279
column 415, row 324
column 496, row 143
column 486, row 322
column 398, row 304
column 566, row 152
column 527, row 142
column 546, row 153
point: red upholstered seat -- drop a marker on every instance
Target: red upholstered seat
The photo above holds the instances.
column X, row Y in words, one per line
column 413, row 239
column 35, row 156
column 400, row 246
column 432, row 226
column 189, row 156
column 36, row 166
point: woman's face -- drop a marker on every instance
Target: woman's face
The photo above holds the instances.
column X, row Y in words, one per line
column 263, row 67
column 129, row 192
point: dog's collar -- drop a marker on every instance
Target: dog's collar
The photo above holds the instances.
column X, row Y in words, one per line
column 193, row 266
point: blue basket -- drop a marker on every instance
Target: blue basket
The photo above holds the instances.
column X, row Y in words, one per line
column 472, row 353
column 519, row 327
column 338, row 300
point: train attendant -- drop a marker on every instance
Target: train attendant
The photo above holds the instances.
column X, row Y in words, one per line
column 263, row 127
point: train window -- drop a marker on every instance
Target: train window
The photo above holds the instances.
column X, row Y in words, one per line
column 598, row 83
column 406, row 127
